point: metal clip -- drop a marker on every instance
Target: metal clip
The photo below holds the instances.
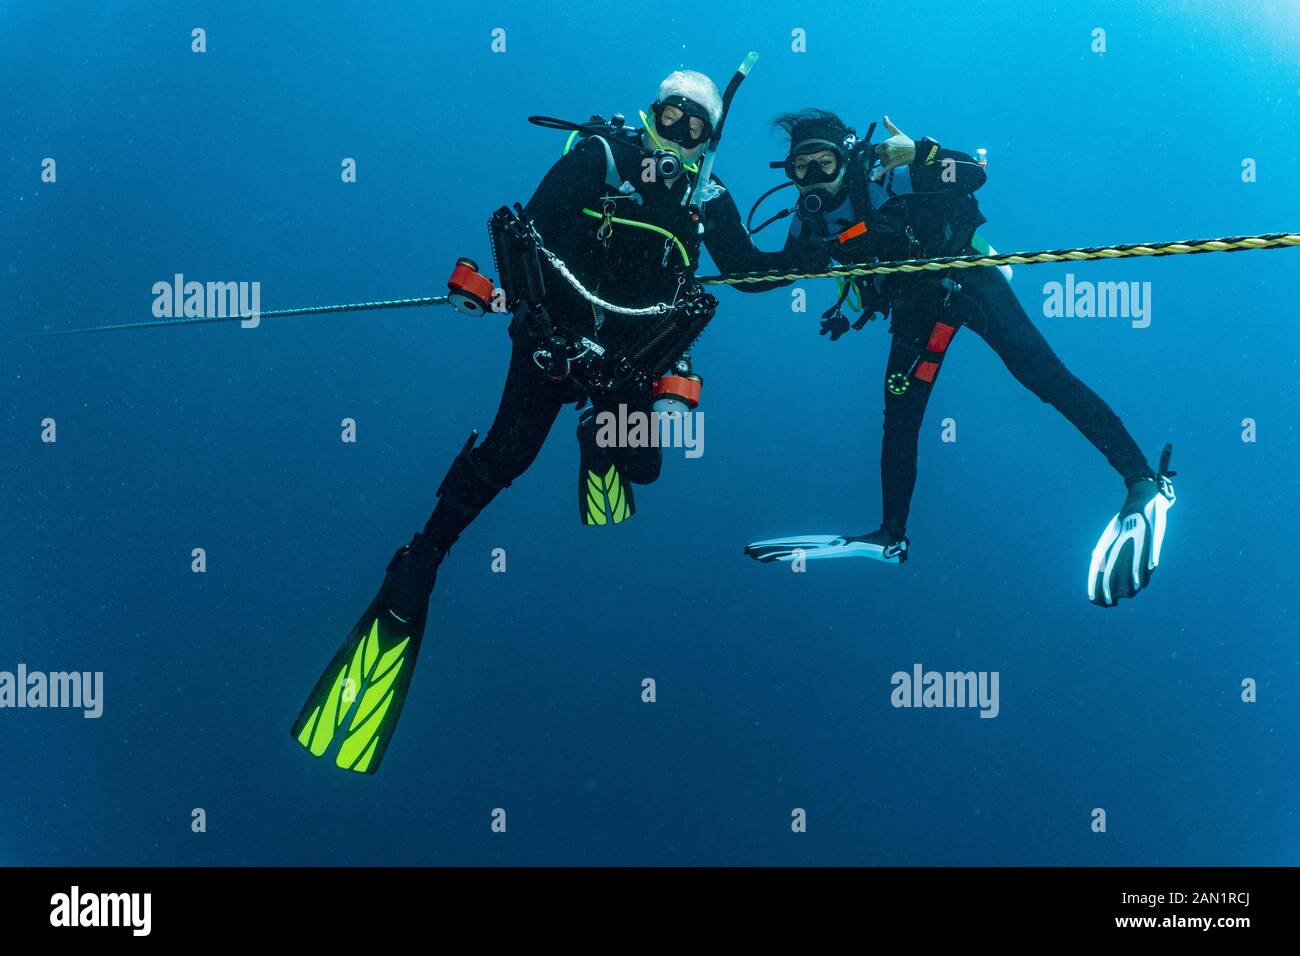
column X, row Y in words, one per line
column 606, row 229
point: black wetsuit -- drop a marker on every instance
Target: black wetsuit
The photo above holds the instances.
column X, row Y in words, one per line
column 936, row 215
column 633, row 267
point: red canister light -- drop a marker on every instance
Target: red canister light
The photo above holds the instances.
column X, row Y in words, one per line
column 468, row 290
column 685, row 388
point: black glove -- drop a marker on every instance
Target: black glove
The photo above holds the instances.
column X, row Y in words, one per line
column 835, row 325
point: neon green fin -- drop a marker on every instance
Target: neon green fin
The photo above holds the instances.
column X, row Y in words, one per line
column 367, row 680
column 604, row 498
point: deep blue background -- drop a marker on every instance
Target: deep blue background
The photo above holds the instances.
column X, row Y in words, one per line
column 773, row 687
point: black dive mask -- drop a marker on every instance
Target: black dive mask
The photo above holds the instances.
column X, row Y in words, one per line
column 680, row 131
column 814, row 175
column 813, row 172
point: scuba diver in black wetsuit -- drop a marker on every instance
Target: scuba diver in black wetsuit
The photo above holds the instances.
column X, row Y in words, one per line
column 599, row 272
column 910, row 200
column 620, row 221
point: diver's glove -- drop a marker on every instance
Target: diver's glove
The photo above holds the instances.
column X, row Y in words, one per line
column 835, row 325
column 1129, row 549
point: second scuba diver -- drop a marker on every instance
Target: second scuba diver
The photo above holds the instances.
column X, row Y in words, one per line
column 912, row 200
column 599, row 272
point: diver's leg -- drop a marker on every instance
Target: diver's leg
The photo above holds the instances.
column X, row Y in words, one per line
column 999, row 318
column 529, row 405
column 371, row 672
column 606, row 472
column 640, row 464
column 907, row 393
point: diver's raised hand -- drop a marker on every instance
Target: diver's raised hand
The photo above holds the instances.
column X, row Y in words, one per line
column 898, row 150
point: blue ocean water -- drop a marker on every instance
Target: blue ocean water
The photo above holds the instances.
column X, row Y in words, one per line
column 773, row 688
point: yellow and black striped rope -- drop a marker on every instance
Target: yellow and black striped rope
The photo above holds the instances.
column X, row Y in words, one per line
column 1272, row 240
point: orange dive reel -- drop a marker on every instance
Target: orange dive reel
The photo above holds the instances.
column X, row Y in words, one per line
column 677, row 393
column 468, row 290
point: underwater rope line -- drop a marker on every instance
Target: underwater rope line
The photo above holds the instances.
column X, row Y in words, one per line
column 278, row 313
column 662, row 308
column 1272, row 240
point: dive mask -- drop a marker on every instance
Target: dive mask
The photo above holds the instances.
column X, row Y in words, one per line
column 800, row 160
column 680, row 131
